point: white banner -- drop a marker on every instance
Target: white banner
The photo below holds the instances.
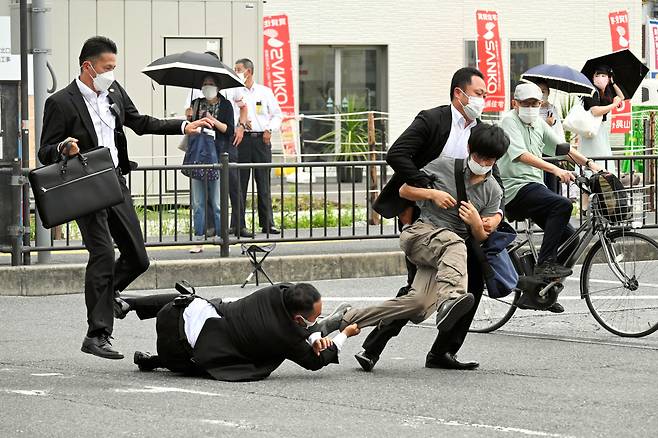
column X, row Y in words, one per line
column 652, row 47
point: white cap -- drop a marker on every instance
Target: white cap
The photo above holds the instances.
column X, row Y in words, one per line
column 526, row 91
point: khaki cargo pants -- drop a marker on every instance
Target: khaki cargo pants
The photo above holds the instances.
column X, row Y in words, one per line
column 440, row 256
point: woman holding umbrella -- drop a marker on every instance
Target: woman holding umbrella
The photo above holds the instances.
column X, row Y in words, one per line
column 607, row 97
column 202, row 150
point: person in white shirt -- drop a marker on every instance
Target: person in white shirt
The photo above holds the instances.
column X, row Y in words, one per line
column 264, row 117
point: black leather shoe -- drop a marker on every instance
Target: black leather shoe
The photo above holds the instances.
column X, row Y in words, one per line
column 366, row 361
column 271, row 231
column 246, row 233
column 451, row 311
column 556, row 308
column 231, row 231
column 121, row 308
column 331, row 323
column 448, row 361
column 143, row 361
column 100, row 346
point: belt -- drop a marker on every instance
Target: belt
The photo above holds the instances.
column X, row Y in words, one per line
column 254, row 133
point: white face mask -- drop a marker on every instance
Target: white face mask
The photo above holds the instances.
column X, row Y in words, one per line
column 528, row 114
column 102, row 81
column 477, row 168
column 241, row 76
column 474, row 107
column 307, row 323
column 601, row 82
column 209, row 91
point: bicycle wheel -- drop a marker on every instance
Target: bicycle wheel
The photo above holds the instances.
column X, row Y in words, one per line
column 631, row 309
column 493, row 313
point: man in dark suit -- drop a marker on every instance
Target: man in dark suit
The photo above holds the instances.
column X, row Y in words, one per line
column 89, row 113
column 242, row 340
column 440, row 131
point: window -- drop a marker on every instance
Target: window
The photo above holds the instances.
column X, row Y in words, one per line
column 523, row 55
column 470, row 54
column 338, row 79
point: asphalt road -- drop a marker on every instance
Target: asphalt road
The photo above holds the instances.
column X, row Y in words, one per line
column 541, row 375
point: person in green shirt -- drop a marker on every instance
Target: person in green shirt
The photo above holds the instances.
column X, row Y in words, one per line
column 526, row 195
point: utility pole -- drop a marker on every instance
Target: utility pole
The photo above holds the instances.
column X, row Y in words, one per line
column 25, row 131
column 40, row 51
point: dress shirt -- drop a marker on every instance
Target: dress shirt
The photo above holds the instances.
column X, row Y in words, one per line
column 338, row 340
column 263, row 112
column 457, row 144
column 195, row 316
column 98, row 106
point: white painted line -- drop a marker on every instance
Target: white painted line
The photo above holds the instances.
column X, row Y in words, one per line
column 163, row 390
column 413, row 422
column 240, row 425
column 36, row 392
column 45, row 374
column 611, row 298
column 592, row 280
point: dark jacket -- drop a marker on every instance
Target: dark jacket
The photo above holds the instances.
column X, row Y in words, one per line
column 66, row 115
column 254, row 336
column 420, row 143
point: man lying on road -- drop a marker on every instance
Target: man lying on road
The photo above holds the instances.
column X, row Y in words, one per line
column 241, row 340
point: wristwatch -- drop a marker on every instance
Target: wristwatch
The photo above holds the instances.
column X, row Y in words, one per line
column 589, row 160
column 242, row 125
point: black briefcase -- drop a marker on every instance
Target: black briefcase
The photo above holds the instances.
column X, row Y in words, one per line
column 75, row 187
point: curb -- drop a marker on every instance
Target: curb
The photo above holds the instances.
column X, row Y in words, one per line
column 44, row 280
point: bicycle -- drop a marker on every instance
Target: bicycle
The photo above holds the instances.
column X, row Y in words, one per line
column 618, row 306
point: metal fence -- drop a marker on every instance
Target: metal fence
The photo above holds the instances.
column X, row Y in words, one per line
column 316, row 201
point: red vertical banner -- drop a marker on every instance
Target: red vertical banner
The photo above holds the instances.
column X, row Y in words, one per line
column 277, row 74
column 490, row 59
column 619, row 34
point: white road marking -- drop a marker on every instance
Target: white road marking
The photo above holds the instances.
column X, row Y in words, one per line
column 163, row 390
column 593, row 280
column 45, row 374
column 241, row 425
column 412, row 422
column 36, row 392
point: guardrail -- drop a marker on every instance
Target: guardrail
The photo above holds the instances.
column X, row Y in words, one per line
column 312, row 201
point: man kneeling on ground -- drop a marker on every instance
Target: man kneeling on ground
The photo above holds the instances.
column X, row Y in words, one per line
column 435, row 243
column 243, row 340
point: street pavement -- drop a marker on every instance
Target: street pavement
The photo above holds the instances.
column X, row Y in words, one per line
column 542, row 375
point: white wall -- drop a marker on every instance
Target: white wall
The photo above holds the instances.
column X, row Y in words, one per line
column 425, row 38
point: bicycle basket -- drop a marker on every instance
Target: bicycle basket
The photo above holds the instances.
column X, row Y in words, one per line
column 625, row 206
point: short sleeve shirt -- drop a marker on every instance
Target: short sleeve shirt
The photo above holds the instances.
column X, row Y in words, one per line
column 484, row 195
column 537, row 138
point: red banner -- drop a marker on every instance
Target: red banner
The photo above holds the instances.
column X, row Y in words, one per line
column 490, row 59
column 619, row 30
column 277, row 74
column 620, row 117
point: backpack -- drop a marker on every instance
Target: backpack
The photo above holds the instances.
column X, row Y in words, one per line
column 610, row 198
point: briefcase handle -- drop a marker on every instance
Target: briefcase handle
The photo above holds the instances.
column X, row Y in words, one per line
column 66, row 158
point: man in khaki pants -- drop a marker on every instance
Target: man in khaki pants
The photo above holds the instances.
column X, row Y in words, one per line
column 435, row 243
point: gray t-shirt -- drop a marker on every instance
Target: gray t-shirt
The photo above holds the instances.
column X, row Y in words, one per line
column 485, row 196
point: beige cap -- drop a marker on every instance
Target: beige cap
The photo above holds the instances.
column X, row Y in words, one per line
column 526, row 91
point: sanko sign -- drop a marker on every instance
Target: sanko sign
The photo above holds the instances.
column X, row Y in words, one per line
column 277, row 74
column 490, row 59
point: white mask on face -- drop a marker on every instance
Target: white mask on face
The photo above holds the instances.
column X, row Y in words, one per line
column 241, row 76
column 528, row 114
column 307, row 323
column 209, row 91
column 601, row 82
column 474, row 107
column 102, row 81
column 477, row 168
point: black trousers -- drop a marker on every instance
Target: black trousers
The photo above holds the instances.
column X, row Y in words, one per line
column 105, row 275
column 548, row 210
column 254, row 150
column 449, row 341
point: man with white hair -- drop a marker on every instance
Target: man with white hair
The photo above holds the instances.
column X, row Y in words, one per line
column 526, row 195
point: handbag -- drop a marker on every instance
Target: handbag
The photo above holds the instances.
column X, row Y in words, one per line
column 75, row 187
column 499, row 272
column 201, row 150
column 184, row 143
column 581, row 121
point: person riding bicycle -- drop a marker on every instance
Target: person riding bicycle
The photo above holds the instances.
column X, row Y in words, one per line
column 526, row 195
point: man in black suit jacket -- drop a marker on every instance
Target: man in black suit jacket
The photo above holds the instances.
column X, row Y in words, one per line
column 242, row 340
column 89, row 113
column 443, row 130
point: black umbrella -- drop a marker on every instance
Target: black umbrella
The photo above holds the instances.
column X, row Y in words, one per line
column 627, row 70
column 188, row 69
